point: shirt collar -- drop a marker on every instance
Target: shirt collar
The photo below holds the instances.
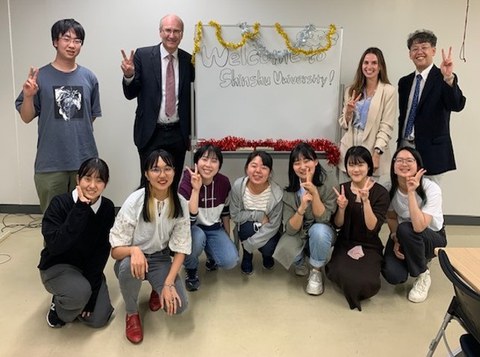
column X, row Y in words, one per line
column 425, row 72
column 164, row 53
column 94, row 207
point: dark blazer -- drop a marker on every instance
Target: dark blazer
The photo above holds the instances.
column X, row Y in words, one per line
column 432, row 122
column 147, row 88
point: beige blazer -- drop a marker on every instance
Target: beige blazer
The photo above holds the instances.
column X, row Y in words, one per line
column 378, row 129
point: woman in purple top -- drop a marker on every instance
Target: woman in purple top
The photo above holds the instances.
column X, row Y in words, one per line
column 207, row 190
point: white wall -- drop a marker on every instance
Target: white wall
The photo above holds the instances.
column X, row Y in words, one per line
column 114, row 24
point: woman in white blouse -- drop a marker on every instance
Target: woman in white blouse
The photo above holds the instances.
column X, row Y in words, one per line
column 152, row 226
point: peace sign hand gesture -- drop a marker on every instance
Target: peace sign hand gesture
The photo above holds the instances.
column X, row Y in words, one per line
column 351, row 106
column 414, row 181
column 342, row 201
column 447, row 64
column 365, row 191
column 30, row 87
column 308, row 185
column 128, row 66
column 195, row 179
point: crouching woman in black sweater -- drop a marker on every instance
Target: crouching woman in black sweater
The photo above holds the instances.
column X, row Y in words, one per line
column 76, row 228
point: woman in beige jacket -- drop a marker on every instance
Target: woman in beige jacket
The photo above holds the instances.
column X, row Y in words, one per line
column 369, row 111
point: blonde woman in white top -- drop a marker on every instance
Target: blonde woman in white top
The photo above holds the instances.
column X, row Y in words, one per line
column 149, row 240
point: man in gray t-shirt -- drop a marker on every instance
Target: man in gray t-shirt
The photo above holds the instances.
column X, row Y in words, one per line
column 65, row 97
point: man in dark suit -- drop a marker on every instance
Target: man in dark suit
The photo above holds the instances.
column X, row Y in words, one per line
column 158, row 126
column 438, row 95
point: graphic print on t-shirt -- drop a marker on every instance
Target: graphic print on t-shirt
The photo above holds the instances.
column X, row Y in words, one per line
column 68, row 102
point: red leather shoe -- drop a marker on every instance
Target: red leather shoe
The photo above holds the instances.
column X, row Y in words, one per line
column 133, row 329
column 154, row 302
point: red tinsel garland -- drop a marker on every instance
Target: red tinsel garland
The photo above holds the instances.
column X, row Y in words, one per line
column 232, row 143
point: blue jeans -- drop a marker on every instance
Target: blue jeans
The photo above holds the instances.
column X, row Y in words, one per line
column 320, row 239
column 159, row 264
column 217, row 245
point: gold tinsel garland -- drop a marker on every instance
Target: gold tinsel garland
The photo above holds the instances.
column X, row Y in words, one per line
column 230, row 45
column 250, row 35
column 218, row 32
column 197, row 40
column 297, row 50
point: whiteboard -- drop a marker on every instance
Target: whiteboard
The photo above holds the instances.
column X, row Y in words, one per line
column 249, row 94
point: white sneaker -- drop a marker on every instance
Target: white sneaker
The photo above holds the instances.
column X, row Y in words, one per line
column 419, row 291
column 315, row 282
column 301, row 268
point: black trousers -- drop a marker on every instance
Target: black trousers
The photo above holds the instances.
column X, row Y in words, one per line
column 418, row 249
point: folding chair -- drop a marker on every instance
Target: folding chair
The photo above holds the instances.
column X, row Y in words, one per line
column 464, row 307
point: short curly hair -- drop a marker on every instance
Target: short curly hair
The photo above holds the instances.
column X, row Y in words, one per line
column 422, row 36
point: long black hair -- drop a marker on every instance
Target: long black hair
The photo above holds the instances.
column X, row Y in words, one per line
column 394, row 178
column 303, row 150
column 174, row 200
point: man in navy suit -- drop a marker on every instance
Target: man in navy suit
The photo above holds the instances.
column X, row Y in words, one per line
column 145, row 78
column 439, row 95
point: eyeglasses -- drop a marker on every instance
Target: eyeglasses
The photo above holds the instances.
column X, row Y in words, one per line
column 423, row 48
column 171, row 31
column 68, row 39
column 167, row 170
column 408, row 161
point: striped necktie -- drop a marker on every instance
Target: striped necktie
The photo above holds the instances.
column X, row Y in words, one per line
column 170, row 97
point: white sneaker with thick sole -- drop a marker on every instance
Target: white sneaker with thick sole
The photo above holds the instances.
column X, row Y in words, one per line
column 419, row 292
column 315, row 283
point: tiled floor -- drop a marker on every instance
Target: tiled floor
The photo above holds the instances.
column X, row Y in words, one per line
column 266, row 314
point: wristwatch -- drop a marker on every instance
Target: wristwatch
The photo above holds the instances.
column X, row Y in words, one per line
column 378, row 151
